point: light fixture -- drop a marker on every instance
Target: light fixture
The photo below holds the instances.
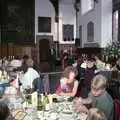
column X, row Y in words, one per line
column 96, row 1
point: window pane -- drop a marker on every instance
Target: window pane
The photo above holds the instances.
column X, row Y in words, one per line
column 115, row 25
column 90, row 32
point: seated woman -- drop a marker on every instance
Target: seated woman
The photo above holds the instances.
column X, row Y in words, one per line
column 12, row 88
column 96, row 114
column 89, row 74
column 68, row 83
column 98, row 98
column 10, row 85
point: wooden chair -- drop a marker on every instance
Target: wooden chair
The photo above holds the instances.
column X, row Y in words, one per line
column 117, row 109
column 114, row 84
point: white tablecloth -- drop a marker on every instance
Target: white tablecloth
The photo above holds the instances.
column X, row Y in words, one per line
column 58, row 111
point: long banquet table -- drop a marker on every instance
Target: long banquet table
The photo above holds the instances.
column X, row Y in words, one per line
column 63, row 110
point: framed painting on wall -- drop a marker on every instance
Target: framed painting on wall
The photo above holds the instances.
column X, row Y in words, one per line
column 44, row 24
column 68, row 32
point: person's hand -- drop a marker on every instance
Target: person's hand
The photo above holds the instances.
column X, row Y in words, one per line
column 77, row 103
column 78, row 100
column 13, row 83
column 81, row 108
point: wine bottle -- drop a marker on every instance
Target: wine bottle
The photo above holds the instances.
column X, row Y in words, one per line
column 40, row 102
column 46, row 102
column 34, row 99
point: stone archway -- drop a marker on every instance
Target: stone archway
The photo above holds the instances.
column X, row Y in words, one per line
column 43, row 44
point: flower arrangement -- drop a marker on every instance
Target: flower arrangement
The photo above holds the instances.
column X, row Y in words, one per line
column 112, row 51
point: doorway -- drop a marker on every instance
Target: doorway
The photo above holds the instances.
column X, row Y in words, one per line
column 44, row 47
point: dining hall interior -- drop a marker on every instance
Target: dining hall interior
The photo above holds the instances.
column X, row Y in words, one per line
column 60, row 59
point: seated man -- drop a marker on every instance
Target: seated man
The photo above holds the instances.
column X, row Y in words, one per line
column 98, row 98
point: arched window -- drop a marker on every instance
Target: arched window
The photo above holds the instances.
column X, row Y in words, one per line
column 90, row 31
column 115, row 25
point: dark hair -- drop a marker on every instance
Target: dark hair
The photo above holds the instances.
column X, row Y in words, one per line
column 4, row 111
column 25, row 57
column 17, row 57
column 69, row 69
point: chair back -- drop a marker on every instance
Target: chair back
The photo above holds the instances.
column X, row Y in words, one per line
column 38, row 85
column 117, row 109
column 114, row 74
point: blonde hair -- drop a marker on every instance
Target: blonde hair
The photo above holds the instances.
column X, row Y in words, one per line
column 99, row 82
column 96, row 114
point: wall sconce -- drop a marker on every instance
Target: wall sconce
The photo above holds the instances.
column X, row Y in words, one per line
column 96, row 1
